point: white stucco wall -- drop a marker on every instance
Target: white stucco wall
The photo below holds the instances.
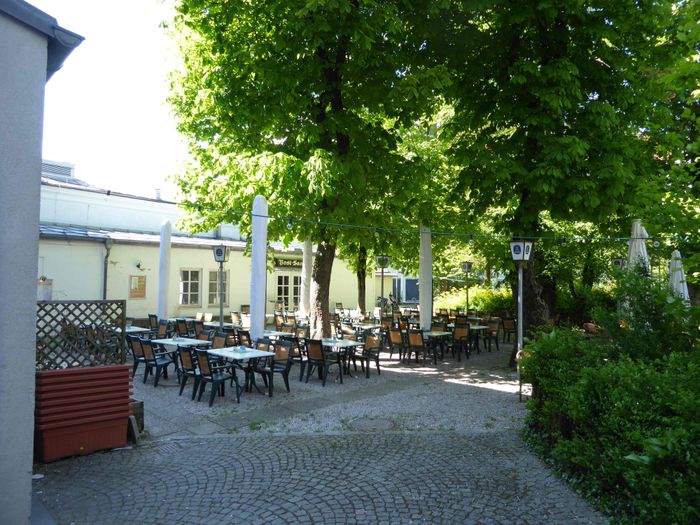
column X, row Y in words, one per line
column 23, row 56
column 75, row 268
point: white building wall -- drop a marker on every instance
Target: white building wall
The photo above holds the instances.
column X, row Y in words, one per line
column 60, row 205
column 75, row 267
column 23, row 58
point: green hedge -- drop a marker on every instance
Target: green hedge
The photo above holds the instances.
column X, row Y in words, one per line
column 619, row 415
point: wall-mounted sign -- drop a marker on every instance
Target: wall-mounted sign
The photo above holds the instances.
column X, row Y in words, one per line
column 137, row 287
column 288, row 263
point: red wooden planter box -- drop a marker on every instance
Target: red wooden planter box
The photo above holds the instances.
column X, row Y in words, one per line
column 81, row 410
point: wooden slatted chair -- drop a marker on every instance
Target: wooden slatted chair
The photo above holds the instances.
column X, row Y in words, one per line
column 368, row 351
column 134, row 344
column 209, row 372
column 188, row 368
column 154, row 360
column 321, row 360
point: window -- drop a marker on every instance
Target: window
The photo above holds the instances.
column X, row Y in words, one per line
column 214, row 287
column 189, row 287
column 289, row 290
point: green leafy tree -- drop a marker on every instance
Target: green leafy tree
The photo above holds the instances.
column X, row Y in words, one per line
column 551, row 99
column 301, row 101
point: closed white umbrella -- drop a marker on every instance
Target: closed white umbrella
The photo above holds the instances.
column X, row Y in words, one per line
column 637, row 250
column 676, row 277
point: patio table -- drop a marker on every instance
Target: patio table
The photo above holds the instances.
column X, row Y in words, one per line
column 242, row 353
column 366, row 326
column 476, row 330
column 132, row 330
column 215, row 324
column 343, row 346
column 173, row 342
column 277, row 333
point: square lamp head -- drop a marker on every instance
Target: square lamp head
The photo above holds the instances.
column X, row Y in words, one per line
column 521, row 250
column 220, row 253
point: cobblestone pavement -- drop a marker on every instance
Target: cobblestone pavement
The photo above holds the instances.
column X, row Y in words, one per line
column 412, row 445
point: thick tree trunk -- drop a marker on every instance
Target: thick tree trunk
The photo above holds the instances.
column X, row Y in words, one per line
column 319, row 318
column 361, row 278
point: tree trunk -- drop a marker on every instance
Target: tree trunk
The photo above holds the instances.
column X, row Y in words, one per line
column 319, row 318
column 361, row 278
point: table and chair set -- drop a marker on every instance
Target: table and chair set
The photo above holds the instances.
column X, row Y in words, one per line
column 197, row 350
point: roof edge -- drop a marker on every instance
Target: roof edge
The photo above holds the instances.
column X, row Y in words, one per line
column 61, row 41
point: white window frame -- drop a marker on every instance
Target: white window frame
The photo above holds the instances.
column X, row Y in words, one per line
column 189, row 293
column 215, row 287
column 293, row 290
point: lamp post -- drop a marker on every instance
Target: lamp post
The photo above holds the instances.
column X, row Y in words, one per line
column 466, row 268
column 520, row 251
column 382, row 262
column 221, row 256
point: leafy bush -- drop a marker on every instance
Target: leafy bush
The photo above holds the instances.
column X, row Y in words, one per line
column 619, row 415
column 578, row 305
column 481, row 299
column 493, row 301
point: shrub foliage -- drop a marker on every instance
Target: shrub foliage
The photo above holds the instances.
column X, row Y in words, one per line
column 619, row 413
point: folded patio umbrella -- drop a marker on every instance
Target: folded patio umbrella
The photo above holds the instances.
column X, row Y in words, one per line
column 637, row 250
column 676, row 277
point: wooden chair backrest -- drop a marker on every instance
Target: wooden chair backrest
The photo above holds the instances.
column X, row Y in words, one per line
column 460, row 332
column 395, row 336
column 219, row 340
column 152, row 321
column 287, row 328
column 245, row 308
column 415, row 338
column 314, row 349
column 204, row 335
column 243, row 337
column 509, row 324
column 136, row 347
column 302, row 332
column 147, row 348
column 493, row 325
column 162, row 329
column 203, row 362
column 282, row 350
column 279, row 321
column 372, row 342
column 198, row 327
column 263, row 344
column 182, row 328
column 438, row 327
column 186, row 358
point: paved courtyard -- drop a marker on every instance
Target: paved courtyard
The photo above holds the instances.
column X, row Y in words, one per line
column 412, row 445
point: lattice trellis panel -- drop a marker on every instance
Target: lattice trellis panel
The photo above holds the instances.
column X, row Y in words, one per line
column 79, row 334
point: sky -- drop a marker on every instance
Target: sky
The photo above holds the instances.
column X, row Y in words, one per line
column 105, row 111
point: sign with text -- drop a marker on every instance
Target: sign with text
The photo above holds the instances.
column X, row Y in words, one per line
column 291, row 264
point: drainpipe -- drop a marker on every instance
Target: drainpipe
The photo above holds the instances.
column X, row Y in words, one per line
column 108, row 248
